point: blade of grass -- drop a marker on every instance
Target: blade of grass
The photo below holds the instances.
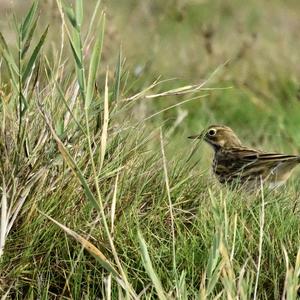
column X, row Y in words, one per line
column 4, row 221
column 27, row 43
column 14, row 212
column 94, row 63
column 92, row 20
column 149, row 268
column 70, row 161
column 129, row 290
column 71, row 15
column 172, row 106
column 170, row 204
column 33, row 58
column 79, row 12
column 105, row 124
column 292, row 277
column 26, row 25
column 70, row 113
column 94, row 251
column 116, row 89
column 113, row 205
column 76, row 44
column 189, row 88
column 10, row 62
column 261, row 236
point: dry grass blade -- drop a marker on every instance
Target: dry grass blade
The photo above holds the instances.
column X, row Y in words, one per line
column 14, row 212
column 105, row 124
column 188, row 88
column 175, row 105
column 228, row 276
column 6, row 295
column 94, row 251
column 108, row 288
column 113, row 204
column 143, row 92
column 234, row 238
column 9, row 215
column 242, row 291
column 292, row 284
column 178, row 91
column 69, row 113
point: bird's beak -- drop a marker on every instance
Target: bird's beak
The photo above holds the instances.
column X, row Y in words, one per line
column 197, row 136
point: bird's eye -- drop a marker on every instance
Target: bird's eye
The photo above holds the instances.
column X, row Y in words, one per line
column 212, row 132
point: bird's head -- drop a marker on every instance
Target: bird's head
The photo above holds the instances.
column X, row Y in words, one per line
column 219, row 136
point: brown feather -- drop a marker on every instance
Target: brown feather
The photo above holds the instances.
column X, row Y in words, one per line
column 235, row 163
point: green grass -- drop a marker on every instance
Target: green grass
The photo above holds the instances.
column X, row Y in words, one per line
column 103, row 196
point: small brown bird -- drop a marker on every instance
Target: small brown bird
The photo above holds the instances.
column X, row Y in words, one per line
column 235, row 164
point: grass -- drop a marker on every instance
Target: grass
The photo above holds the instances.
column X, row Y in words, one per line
column 102, row 194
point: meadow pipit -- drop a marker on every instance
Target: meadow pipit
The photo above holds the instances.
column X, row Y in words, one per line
column 235, row 164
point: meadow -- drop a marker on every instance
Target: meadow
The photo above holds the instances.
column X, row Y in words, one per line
column 102, row 194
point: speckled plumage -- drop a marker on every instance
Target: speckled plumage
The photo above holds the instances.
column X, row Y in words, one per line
column 235, row 164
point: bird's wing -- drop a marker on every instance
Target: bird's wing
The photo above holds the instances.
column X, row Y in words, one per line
column 276, row 157
column 245, row 162
column 231, row 162
column 252, row 156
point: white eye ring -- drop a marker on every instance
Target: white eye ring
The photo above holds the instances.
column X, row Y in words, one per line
column 212, row 132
